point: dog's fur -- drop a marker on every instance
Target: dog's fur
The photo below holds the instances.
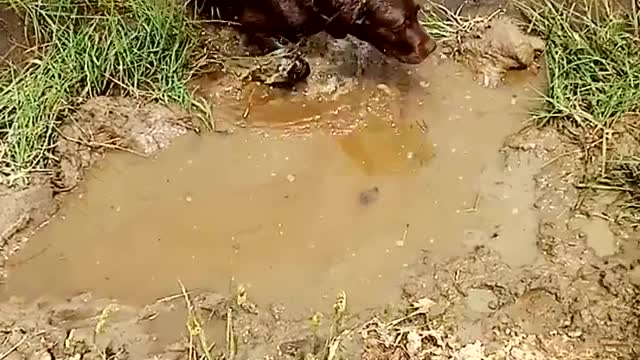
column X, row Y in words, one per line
column 391, row 26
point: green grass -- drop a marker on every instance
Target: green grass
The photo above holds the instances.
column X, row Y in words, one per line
column 592, row 60
column 85, row 48
column 593, row 63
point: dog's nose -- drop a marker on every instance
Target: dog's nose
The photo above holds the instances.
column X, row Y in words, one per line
column 429, row 47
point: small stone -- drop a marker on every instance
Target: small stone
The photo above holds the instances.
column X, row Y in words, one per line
column 291, row 178
column 369, row 196
column 384, row 88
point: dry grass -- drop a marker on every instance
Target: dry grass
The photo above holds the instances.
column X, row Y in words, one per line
column 450, row 27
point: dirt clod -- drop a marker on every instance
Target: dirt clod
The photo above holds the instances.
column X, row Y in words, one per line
column 21, row 211
column 493, row 46
column 369, row 196
column 115, row 123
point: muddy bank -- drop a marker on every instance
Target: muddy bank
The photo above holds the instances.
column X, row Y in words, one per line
column 574, row 302
column 99, row 125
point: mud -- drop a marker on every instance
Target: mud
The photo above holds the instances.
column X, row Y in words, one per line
column 98, row 125
column 280, row 198
column 490, row 45
column 12, row 39
column 569, row 304
column 337, row 184
column 112, row 123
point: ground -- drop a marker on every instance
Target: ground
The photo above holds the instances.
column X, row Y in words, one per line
column 574, row 293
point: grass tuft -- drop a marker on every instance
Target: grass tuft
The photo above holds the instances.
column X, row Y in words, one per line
column 82, row 49
column 593, row 62
column 592, row 56
column 593, row 68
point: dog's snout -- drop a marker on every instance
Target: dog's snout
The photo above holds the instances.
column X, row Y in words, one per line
column 428, row 47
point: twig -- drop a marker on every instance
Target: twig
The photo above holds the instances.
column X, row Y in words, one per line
column 93, row 144
column 553, row 160
column 634, row 12
column 14, row 347
column 603, row 168
column 404, row 233
column 603, row 187
column 194, row 325
column 14, row 228
column 423, row 126
column 174, row 296
column 335, row 344
column 602, row 216
column 222, row 22
column 231, row 340
column 476, row 205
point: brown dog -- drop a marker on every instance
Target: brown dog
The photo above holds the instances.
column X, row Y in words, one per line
column 391, row 26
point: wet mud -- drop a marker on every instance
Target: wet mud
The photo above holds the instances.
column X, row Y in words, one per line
column 12, row 37
column 411, row 189
column 280, row 198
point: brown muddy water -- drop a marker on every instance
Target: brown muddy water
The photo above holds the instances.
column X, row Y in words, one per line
column 308, row 199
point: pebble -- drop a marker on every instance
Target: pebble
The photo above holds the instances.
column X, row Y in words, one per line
column 291, row 178
column 384, row 88
column 369, row 196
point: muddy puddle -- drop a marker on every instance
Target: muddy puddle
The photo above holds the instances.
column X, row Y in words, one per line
column 303, row 199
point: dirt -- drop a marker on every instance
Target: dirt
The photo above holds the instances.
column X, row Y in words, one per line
column 490, row 45
column 453, row 235
column 11, row 36
column 115, row 123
